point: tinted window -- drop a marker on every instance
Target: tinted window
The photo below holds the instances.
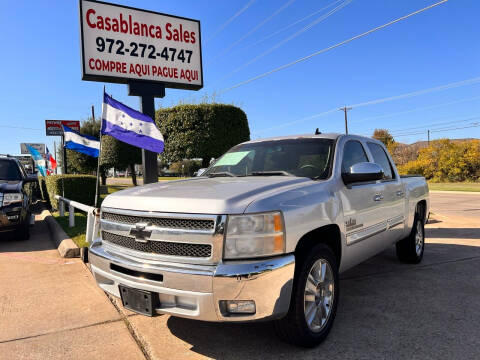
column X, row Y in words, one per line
column 381, row 159
column 298, row 157
column 353, row 153
column 9, row 170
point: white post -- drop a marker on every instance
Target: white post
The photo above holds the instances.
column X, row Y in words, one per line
column 89, row 230
column 71, row 216
column 61, row 206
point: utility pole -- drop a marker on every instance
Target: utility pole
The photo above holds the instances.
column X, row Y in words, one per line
column 428, row 137
column 345, row 109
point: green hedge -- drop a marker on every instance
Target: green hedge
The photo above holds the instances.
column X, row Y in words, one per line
column 201, row 131
column 79, row 188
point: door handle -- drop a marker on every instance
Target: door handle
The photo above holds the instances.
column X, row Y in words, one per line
column 400, row 193
column 378, row 197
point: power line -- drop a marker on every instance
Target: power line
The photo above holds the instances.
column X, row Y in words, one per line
column 233, row 17
column 417, row 93
column 420, row 92
column 258, row 26
column 287, row 39
column 400, row 132
column 415, row 109
column 330, row 47
column 19, row 127
column 290, row 25
column 442, row 130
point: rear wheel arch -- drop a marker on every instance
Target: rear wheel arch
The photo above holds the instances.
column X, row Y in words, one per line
column 421, row 209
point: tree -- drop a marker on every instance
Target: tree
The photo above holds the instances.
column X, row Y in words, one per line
column 384, row 136
column 201, row 131
column 80, row 163
column 445, row 160
column 119, row 155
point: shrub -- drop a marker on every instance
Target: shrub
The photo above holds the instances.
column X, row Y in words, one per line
column 189, row 167
column 201, row 131
column 79, row 188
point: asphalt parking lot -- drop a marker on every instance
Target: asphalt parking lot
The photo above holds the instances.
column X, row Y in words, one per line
column 51, row 308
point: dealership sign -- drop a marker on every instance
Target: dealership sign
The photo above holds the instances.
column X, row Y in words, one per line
column 39, row 147
column 54, row 127
column 123, row 44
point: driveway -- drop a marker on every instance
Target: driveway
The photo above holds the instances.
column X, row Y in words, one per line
column 456, row 204
column 50, row 307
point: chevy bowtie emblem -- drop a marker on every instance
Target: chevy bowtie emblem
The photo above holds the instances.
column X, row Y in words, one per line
column 139, row 232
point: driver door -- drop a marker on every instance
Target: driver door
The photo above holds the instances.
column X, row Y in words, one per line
column 364, row 216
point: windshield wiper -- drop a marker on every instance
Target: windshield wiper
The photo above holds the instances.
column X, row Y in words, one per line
column 270, row 173
column 221, row 173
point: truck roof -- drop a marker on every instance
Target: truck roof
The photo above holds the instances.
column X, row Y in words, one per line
column 332, row 136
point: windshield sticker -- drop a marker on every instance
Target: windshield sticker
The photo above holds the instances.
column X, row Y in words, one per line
column 232, row 158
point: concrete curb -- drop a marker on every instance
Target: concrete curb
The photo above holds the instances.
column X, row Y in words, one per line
column 65, row 246
column 455, row 192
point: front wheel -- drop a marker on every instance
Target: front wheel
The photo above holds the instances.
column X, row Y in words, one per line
column 314, row 299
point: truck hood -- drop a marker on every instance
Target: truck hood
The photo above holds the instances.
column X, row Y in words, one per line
column 221, row 195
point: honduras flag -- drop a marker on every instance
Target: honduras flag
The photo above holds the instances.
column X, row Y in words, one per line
column 81, row 143
column 130, row 126
column 39, row 160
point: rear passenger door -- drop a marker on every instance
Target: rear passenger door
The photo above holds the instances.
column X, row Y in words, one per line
column 364, row 216
column 393, row 194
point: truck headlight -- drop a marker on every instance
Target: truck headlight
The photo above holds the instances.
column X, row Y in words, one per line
column 255, row 235
column 11, row 198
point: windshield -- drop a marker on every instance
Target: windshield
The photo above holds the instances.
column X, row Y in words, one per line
column 9, row 171
column 291, row 157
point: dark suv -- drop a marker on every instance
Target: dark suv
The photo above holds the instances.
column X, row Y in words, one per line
column 16, row 189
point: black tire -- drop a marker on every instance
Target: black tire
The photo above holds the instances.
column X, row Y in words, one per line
column 409, row 250
column 23, row 233
column 293, row 328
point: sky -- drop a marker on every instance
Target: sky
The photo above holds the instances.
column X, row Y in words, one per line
column 41, row 69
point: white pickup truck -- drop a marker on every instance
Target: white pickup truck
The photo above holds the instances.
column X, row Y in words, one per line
column 262, row 234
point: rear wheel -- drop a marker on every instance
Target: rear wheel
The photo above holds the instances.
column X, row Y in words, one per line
column 314, row 299
column 410, row 249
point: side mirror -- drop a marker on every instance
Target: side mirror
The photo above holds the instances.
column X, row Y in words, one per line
column 31, row 178
column 364, row 171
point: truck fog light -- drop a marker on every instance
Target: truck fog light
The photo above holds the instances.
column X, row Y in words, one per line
column 240, row 306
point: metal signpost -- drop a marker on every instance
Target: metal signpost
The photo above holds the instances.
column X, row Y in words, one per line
column 54, row 128
column 147, row 50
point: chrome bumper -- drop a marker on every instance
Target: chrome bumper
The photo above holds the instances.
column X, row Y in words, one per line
column 195, row 291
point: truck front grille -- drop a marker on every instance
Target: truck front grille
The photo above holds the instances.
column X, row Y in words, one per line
column 171, row 223
column 159, row 247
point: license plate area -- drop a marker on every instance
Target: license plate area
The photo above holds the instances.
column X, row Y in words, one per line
column 140, row 301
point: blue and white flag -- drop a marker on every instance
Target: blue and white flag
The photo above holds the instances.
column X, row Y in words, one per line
column 130, row 126
column 39, row 160
column 81, row 143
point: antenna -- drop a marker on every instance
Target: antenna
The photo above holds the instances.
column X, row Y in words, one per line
column 317, row 132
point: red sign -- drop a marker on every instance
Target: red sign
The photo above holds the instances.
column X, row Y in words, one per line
column 54, row 127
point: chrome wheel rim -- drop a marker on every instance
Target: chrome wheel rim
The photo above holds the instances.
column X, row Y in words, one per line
column 419, row 238
column 318, row 296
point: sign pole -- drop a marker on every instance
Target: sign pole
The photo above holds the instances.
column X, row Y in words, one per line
column 64, row 156
column 148, row 92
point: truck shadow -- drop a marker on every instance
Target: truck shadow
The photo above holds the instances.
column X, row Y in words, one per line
column 387, row 310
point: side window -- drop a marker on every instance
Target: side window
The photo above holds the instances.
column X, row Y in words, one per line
column 353, row 153
column 381, row 159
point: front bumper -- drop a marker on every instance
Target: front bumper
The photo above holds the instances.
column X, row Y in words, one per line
column 11, row 217
column 195, row 291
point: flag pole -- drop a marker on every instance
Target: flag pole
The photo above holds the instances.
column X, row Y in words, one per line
column 97, row 185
